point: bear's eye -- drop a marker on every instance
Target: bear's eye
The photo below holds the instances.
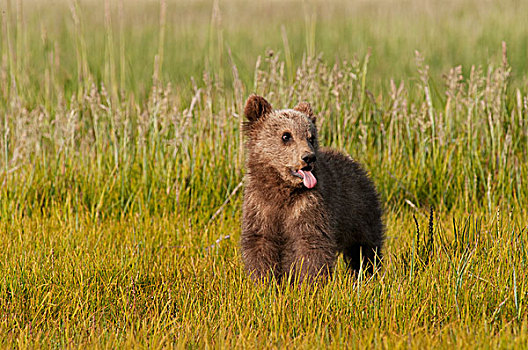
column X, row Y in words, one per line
column 286, row 137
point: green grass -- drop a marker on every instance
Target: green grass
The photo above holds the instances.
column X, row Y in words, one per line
column 121, row 159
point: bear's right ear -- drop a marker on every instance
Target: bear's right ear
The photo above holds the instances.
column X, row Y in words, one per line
column 256, row 107
column 306, row 108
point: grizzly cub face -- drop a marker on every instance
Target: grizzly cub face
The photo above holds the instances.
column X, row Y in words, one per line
column 282, row 141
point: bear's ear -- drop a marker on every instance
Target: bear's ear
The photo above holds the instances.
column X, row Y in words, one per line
column 256, row 107
column 304, row 107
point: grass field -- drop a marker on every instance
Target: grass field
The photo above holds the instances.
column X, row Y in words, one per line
column 121, row 164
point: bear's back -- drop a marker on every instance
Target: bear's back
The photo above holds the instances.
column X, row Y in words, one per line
column 350, row 197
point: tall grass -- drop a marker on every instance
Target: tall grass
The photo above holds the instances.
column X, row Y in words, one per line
column 465, row 148
column 121, row 164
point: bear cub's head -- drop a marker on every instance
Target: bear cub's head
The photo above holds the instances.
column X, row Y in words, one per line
column 281, row 143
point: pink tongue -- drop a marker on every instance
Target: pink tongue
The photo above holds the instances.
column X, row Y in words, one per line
column 308, row 178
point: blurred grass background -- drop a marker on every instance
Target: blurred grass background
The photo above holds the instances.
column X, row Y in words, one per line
column 117, row 41
column 121, row 164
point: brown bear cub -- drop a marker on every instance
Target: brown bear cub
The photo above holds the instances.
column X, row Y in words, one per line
column 303, row 205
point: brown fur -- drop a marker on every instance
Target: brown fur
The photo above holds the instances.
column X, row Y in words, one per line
column 287, row 227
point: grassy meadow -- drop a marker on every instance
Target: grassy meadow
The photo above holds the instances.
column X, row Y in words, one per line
column 121, row 167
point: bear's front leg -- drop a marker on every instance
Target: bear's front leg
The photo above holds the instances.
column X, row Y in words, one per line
column 261, row 254
column 310, row 251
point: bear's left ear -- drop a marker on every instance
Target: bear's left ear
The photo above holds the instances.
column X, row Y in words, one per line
column 304, row 107
column 256, row 107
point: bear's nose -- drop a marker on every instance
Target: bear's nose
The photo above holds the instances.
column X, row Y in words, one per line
column 309, row 158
